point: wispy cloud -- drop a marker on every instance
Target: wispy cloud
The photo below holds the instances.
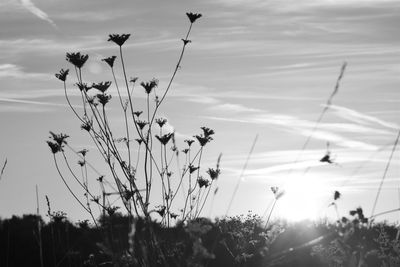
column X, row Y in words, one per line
column 358, row 117
column 28, row 4
column 30, row 102
column 12, row 70
column 233, row 108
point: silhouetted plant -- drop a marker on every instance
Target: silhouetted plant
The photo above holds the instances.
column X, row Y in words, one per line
column 134, row 181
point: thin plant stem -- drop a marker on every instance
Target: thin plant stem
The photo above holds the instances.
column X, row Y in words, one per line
column 241, row 175
column 384, row 174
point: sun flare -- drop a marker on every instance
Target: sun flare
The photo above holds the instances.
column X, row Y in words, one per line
column 302, row 199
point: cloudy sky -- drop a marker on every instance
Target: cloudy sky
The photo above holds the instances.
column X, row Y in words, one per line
column 253, row 67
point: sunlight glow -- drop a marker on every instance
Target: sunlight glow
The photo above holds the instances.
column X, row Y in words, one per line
column 303, row 199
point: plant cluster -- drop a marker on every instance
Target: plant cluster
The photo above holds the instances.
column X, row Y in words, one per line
column 143, row 156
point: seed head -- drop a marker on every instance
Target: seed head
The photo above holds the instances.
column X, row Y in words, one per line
column 165, row 138
column 102, row 86
column 62, row 75
column 150, row 85
column 119, row 39
column 193, row 16
column 77, row 59
column 110, row 61
column 161, row 122
column 103, row 98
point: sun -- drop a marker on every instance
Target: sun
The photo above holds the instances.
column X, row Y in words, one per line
column 303, row 199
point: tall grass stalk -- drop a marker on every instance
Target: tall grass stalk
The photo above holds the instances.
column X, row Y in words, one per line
column 384, row 174
column 241, row 175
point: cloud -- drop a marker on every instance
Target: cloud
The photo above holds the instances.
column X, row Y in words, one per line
column 358, row 117
column 295, row 125
column 30, row 102
column 28, row 4
column 233, row 108
column 11, row 70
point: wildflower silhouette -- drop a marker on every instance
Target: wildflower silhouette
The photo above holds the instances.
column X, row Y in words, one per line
column 119, row 39
column 139, row 141
column 137, row 113
column 83, row 86
column 87, row 126
column 189, row 142
column 102, row 86
column 161, row 122
column 336, row 195
column 103, row 98
column 77, row 59
column 327, row 157
column 193, row 16
column 110, row 61
column 141, row 124
column 149, row 86
column 83, row 152
column 203, row 140
column 192, row 168
column 185, row 42
column 164, row 139
column 124, row 163
column 59, row 138
column 213, row 173
column 62, row 76
column 203, row 182
column 173, row 215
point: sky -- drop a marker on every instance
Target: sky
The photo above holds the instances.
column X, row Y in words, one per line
column 253, row 68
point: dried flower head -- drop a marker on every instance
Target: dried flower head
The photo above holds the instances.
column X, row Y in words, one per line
column 137, row 113
column 81, row 163
column 100, row 179
column 111, row 210
column 110, row 61
column 207, row 131
column 103, row 98
column 193, row 16
column 173, row 215
column 102, row 86
column 213, row 173
column 161, row 122
column 336, row 195
column 139, row 141
column 274, row 189
column 54, row 147
column 165, row 138
column 185, row 41
column 203, row 182
column 203, row 140
column 119, row 39
column 326, row 158
column 141, row 124
column 62, row 75
column 161, row 210
column 186, row 150
column 150, row 85
column 277, row 193
column 59, row 138
column 133, row 79
column 189, row 141
column 192, row 168
column 87, row 125
column 77, row 59
column 83, row 152
column 83, row 86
